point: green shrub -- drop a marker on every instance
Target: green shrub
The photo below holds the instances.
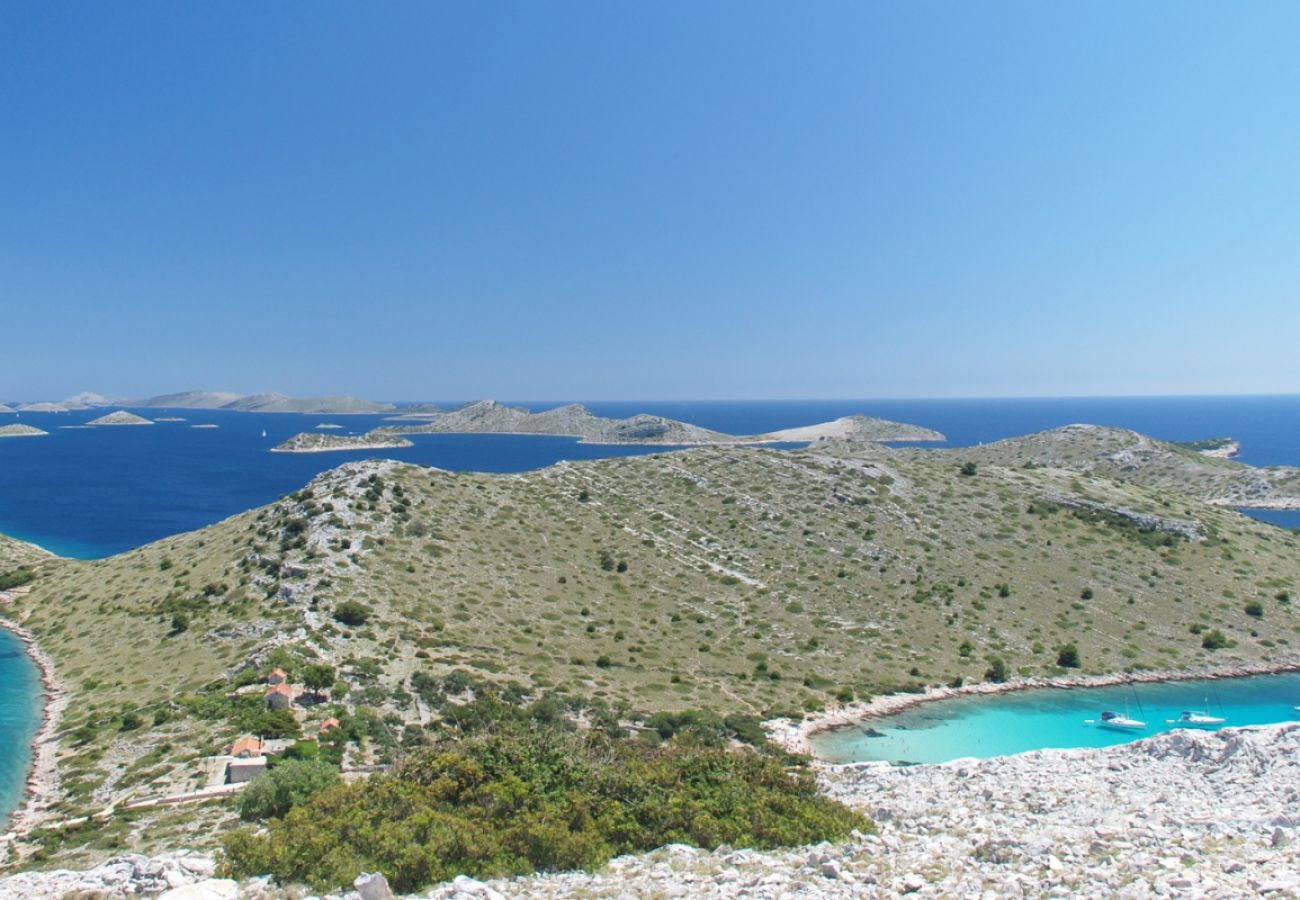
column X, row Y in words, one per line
column 997, row 670
column 1255, row 609
column 1214, row 640
column 520, row 800
column 1067, row 657
column 16, row 578
column 287, row 785
column 352, row 613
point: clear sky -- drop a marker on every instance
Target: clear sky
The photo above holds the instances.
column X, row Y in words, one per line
column 639, row 200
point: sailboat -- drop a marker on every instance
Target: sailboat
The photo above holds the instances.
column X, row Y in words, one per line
column 263, row 432
column 1200, row 718
column 1120, row 721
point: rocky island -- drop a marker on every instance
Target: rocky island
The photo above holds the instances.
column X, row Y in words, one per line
column 21, row 431
column 121, row 417
column 575, row 420
column 308, row 442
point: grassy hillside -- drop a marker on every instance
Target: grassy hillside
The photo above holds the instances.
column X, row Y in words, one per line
column 1128, row 456
column 730, row 579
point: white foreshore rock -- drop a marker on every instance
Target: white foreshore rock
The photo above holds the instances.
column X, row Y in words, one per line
column 1185, row 814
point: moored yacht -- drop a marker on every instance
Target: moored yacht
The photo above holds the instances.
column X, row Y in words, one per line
column 1120, row 722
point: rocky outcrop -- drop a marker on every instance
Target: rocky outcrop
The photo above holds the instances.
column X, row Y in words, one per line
column 21, row 431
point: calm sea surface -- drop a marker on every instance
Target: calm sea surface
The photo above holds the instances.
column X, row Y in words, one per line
column 1032, row 720
column 21, row 698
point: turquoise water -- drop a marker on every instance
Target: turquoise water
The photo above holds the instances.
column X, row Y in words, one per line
column 1020, row 721
column 21, row 699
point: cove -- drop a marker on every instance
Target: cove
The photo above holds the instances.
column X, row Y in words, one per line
column 22, row 700
column 983, row 726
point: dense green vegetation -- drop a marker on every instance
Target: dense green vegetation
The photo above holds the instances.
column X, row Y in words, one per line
column 16, row 578
column 522, row 799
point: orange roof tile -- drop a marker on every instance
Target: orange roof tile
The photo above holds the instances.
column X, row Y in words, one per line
column 250, row 745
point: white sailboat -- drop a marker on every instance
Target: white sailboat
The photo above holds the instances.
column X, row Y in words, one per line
column 1198, row 718
column 1202, row 719
column 1120, row 722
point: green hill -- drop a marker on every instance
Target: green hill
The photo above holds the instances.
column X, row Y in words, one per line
column 733, row 579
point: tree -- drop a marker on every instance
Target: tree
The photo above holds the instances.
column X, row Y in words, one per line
column 1067, row 657
column 968, row 469
column 318, row 677
column 293, row 782
column 997, row 670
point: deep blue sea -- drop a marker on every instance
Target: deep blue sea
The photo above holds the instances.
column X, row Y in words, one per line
column 95, row 492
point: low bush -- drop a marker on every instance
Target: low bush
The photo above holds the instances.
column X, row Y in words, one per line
column 521, row 800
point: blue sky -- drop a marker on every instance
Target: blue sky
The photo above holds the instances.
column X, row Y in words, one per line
column 611, row 200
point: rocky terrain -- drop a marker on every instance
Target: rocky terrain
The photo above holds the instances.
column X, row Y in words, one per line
column 121, row 417
column 308, row 442
column 1121, row 455
column 732, row 579
column 6, row 409
column 857, row 428
column 1187, row 813
column 575, row 420
column 21, row 431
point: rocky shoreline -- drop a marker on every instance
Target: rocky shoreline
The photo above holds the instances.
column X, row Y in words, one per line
column 795, row 736
column 42, row 779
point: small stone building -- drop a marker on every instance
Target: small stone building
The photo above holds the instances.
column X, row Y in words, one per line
column 279, row 697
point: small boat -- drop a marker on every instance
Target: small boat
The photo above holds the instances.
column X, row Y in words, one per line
column 1202, row 719
column 1120, row 722
column 263, row 432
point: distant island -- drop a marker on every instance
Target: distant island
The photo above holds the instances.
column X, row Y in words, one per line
column 325, row 443
column 21, row 431
column 265, row 402
column 857, row 428
column 121, row 417
column 6, row 409
column 575, row 420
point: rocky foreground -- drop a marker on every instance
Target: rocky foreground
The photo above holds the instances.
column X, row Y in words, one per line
column 1185, row 814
